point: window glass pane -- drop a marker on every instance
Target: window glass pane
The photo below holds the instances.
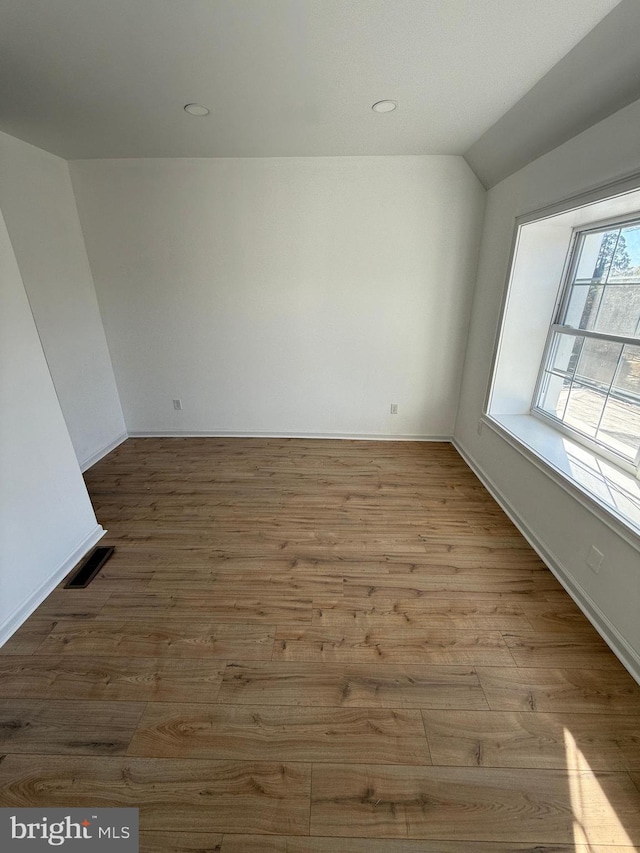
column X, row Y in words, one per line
column 628, row 376
column 619, row 310
column 620, row 427
column 596, row 254
column 626, row 260
column 590, row 384
column 598, row 362
column 565, row 351
column 584, row 408
column 553, row 394
column 583, row 305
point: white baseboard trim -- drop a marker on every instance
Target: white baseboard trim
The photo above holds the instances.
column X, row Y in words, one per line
column 35, row 599
column 375, row 436
column 625, row 653
column 99, row 454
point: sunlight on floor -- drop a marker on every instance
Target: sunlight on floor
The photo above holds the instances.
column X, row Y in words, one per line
column 594, row 818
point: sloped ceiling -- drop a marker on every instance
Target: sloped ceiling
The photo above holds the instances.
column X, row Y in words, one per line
column 600, row 76
column 109, row 78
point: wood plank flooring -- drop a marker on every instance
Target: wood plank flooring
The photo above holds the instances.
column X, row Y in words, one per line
column 320, row 647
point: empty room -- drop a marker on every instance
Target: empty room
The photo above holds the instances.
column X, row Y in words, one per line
column 320, row 426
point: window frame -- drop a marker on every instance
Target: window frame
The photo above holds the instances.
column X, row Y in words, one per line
column 565, row 289
column 504, row 413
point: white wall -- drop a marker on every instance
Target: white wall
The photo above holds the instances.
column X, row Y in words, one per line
column 295, row 295
column 46, row 519
column 562, row 528
column 37, row 201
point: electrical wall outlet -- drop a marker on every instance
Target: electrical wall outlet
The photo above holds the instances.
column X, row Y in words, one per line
column 594, row 559
column 394, row 408
column 177, row 405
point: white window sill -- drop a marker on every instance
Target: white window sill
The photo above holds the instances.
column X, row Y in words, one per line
column 609, row 492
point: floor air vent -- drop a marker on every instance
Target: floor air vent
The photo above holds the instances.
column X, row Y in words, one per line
column 89, row 567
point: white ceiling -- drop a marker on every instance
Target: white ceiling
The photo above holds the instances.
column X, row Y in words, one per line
column 109, row 78
column 600, row 76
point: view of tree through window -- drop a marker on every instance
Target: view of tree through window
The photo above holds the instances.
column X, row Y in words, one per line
column 590, row 381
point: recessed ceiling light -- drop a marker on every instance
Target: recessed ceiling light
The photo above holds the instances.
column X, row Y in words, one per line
column 384, row 106
column 196, row 110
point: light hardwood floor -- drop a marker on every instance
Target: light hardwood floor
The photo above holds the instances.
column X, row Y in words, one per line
column 320, row 647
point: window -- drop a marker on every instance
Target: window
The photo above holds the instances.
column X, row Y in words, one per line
column 565, row 379
column 589, row 382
